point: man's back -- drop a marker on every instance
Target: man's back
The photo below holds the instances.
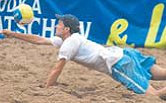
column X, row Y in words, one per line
column 87, row 53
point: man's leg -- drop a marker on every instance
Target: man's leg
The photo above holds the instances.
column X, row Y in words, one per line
column 158, row 73
column 161, row 92
column 151, row 91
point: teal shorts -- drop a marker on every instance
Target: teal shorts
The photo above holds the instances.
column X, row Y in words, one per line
column 133, row 70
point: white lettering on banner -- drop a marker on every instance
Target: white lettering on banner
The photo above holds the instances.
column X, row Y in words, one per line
column 36, row 6
column 45, row 28
column 30, row 25
column 22, row 1
column 11, row 8
column 86, row 32
column 42, row 23
column 9, row 20
column 22, row 28
column 0, row 23
column 2, row 7
column 11, row 4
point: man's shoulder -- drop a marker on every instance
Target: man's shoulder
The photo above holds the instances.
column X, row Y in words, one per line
column 56, row 41
column 75, row 35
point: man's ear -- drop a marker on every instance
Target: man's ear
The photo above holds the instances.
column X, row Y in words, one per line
column 67, row 28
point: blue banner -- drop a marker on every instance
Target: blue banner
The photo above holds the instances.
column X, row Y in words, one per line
column 139, row 23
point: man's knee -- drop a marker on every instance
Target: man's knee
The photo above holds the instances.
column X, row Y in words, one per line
column 158, row 73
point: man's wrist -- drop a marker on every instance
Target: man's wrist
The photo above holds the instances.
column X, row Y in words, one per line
column 12, row 34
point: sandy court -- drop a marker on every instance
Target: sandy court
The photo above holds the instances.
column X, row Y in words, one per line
column 24, row 68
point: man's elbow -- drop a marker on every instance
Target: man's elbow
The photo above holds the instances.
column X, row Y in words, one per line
column 39, row 42
column 42, row 42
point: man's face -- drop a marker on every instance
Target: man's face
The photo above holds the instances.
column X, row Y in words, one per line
column 60, row 29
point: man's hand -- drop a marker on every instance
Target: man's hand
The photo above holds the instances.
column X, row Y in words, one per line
column 6, row 32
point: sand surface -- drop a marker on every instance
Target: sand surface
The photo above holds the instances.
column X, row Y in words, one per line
column 24, row 68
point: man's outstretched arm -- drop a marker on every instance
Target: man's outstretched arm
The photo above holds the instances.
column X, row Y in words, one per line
column 53, row 76
column 27, row 37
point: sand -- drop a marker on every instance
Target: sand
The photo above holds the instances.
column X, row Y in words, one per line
column 24, row 68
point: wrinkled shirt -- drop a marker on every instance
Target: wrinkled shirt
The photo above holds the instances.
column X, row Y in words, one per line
column 88, row 53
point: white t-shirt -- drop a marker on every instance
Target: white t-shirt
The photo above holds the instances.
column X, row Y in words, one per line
column 56, row 41
column 77, row 48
